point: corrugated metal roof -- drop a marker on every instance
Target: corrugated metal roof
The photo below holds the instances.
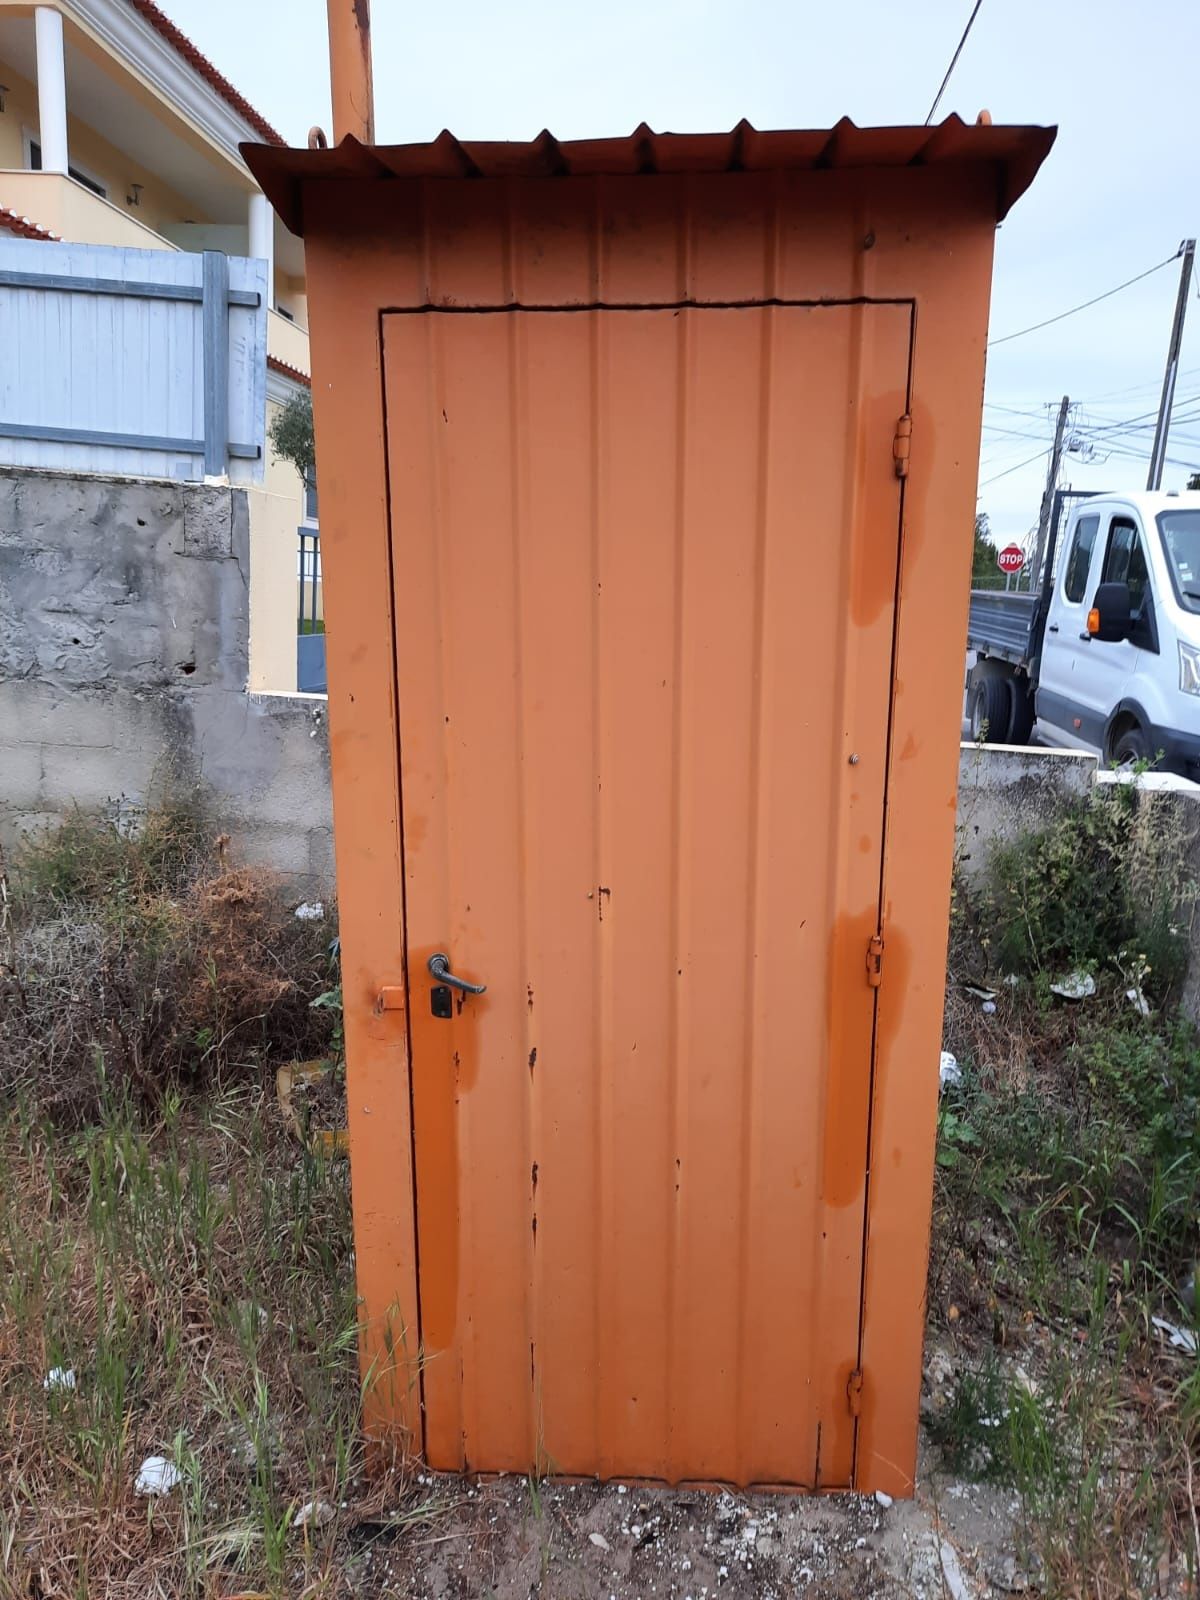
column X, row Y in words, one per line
column 1015, row 152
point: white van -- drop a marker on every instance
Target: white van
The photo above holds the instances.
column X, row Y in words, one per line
column 1106, row 654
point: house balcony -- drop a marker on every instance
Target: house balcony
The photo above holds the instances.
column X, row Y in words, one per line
column 79, row 216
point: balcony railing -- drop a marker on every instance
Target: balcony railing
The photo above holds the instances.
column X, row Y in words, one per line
column 310, row 634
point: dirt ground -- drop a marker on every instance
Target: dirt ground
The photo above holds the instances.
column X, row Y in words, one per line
column 509, row 1540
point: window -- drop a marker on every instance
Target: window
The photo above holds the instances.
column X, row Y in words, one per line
column 88, row 182
column 1079, row 562
column 1180, row 532
column 1125, row 561
column 310, row 495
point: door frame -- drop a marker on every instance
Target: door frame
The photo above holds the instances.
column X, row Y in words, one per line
column 760, row 303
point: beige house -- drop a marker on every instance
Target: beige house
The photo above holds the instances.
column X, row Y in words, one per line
column 116, row 130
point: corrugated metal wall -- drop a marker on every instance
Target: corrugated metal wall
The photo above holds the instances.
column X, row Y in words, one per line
column 124, row 364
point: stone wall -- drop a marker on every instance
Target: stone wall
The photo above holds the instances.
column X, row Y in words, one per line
column 124, row 629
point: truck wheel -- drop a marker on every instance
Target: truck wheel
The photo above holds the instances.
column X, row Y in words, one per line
column 1020, row 720
column 990, row 711
column 1130, row 745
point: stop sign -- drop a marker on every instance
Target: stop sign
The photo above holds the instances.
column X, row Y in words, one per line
column 1011, row 558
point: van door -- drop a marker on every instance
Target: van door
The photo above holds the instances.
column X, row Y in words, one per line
column 1065, row 649
column 1109, row 667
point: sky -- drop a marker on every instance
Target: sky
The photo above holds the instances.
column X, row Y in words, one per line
column 1119, row 191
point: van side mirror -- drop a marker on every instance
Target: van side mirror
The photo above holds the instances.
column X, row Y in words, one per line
column 1111, row 618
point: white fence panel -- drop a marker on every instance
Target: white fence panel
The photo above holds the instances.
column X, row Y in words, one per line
column 145, row 362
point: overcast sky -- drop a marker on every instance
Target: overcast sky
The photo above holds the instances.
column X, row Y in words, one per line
column 1119, row 191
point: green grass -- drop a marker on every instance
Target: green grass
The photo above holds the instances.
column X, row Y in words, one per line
column 1068, row 1193
column 194, row 1272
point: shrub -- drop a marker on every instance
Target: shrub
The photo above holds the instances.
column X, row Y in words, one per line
column 1105, row 879
column 140, row 955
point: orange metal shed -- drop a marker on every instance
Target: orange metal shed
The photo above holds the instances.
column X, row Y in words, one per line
column 647, row 479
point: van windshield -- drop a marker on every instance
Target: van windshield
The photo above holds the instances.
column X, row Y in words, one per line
column 1180, row 532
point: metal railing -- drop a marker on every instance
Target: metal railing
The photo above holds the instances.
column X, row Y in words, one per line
column 310, row 630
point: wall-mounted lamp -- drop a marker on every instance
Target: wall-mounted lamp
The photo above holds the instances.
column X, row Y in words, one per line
column 134, row 197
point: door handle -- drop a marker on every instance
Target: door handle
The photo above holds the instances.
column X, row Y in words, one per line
column 439, row 966
column 1053, row 628
column 1086, row 637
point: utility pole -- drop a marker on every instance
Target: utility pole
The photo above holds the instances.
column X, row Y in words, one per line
column 1158, row 454
column 1048, row 495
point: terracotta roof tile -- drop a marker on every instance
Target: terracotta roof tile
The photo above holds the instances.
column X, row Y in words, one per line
column 179, row 41
column 12, row 222
column 289, row 371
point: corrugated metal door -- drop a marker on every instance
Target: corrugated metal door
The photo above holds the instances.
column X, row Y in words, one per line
column 645, row 583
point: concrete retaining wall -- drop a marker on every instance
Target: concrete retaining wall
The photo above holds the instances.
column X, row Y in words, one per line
column 124, row 624
column 124, row 629
column 1005, row 790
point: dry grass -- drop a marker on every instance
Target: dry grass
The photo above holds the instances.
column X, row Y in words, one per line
column 194, row 1274
column 141, row 955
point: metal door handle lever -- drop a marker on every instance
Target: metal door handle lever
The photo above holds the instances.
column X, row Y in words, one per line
column 439, row 965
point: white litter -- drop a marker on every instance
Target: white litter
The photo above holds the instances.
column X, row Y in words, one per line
column 317, row 1513
column 1075, row 986
column 310, row 911
column 988, row 1008
column 59, row 1378
column 949, row 1071
column 598, row 1540
column 1137, row 999
column 956, row 1584
column 979, row 991
column 883, row 1499
column 157, row 1475
column 1178, row 1338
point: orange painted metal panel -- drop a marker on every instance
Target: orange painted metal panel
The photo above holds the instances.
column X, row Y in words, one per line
column 643, row 692
column 920, row 237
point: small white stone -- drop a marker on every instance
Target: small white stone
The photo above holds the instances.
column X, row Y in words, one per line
column 314, row 1513
column 598, row 1540
column 882, row 1499
column 310, row 911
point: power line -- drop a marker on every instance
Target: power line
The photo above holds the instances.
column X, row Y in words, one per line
column 1027, row 462
column 953, row 62
column 1107, row 295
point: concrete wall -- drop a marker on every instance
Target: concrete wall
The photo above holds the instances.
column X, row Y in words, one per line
column 124, row 625
column 1005, row 790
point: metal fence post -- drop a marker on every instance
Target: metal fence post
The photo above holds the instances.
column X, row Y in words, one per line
column 215, row 314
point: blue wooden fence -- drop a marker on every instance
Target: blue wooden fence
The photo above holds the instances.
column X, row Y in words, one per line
column 146, row 362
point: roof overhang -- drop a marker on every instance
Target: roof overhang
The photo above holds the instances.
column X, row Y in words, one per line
column 1013, row 154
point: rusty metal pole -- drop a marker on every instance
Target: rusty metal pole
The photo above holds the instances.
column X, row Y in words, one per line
column 350, row 69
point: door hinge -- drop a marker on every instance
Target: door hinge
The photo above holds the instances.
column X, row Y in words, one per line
column 875, row 960
column 854, row 1388
column 901, row 443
